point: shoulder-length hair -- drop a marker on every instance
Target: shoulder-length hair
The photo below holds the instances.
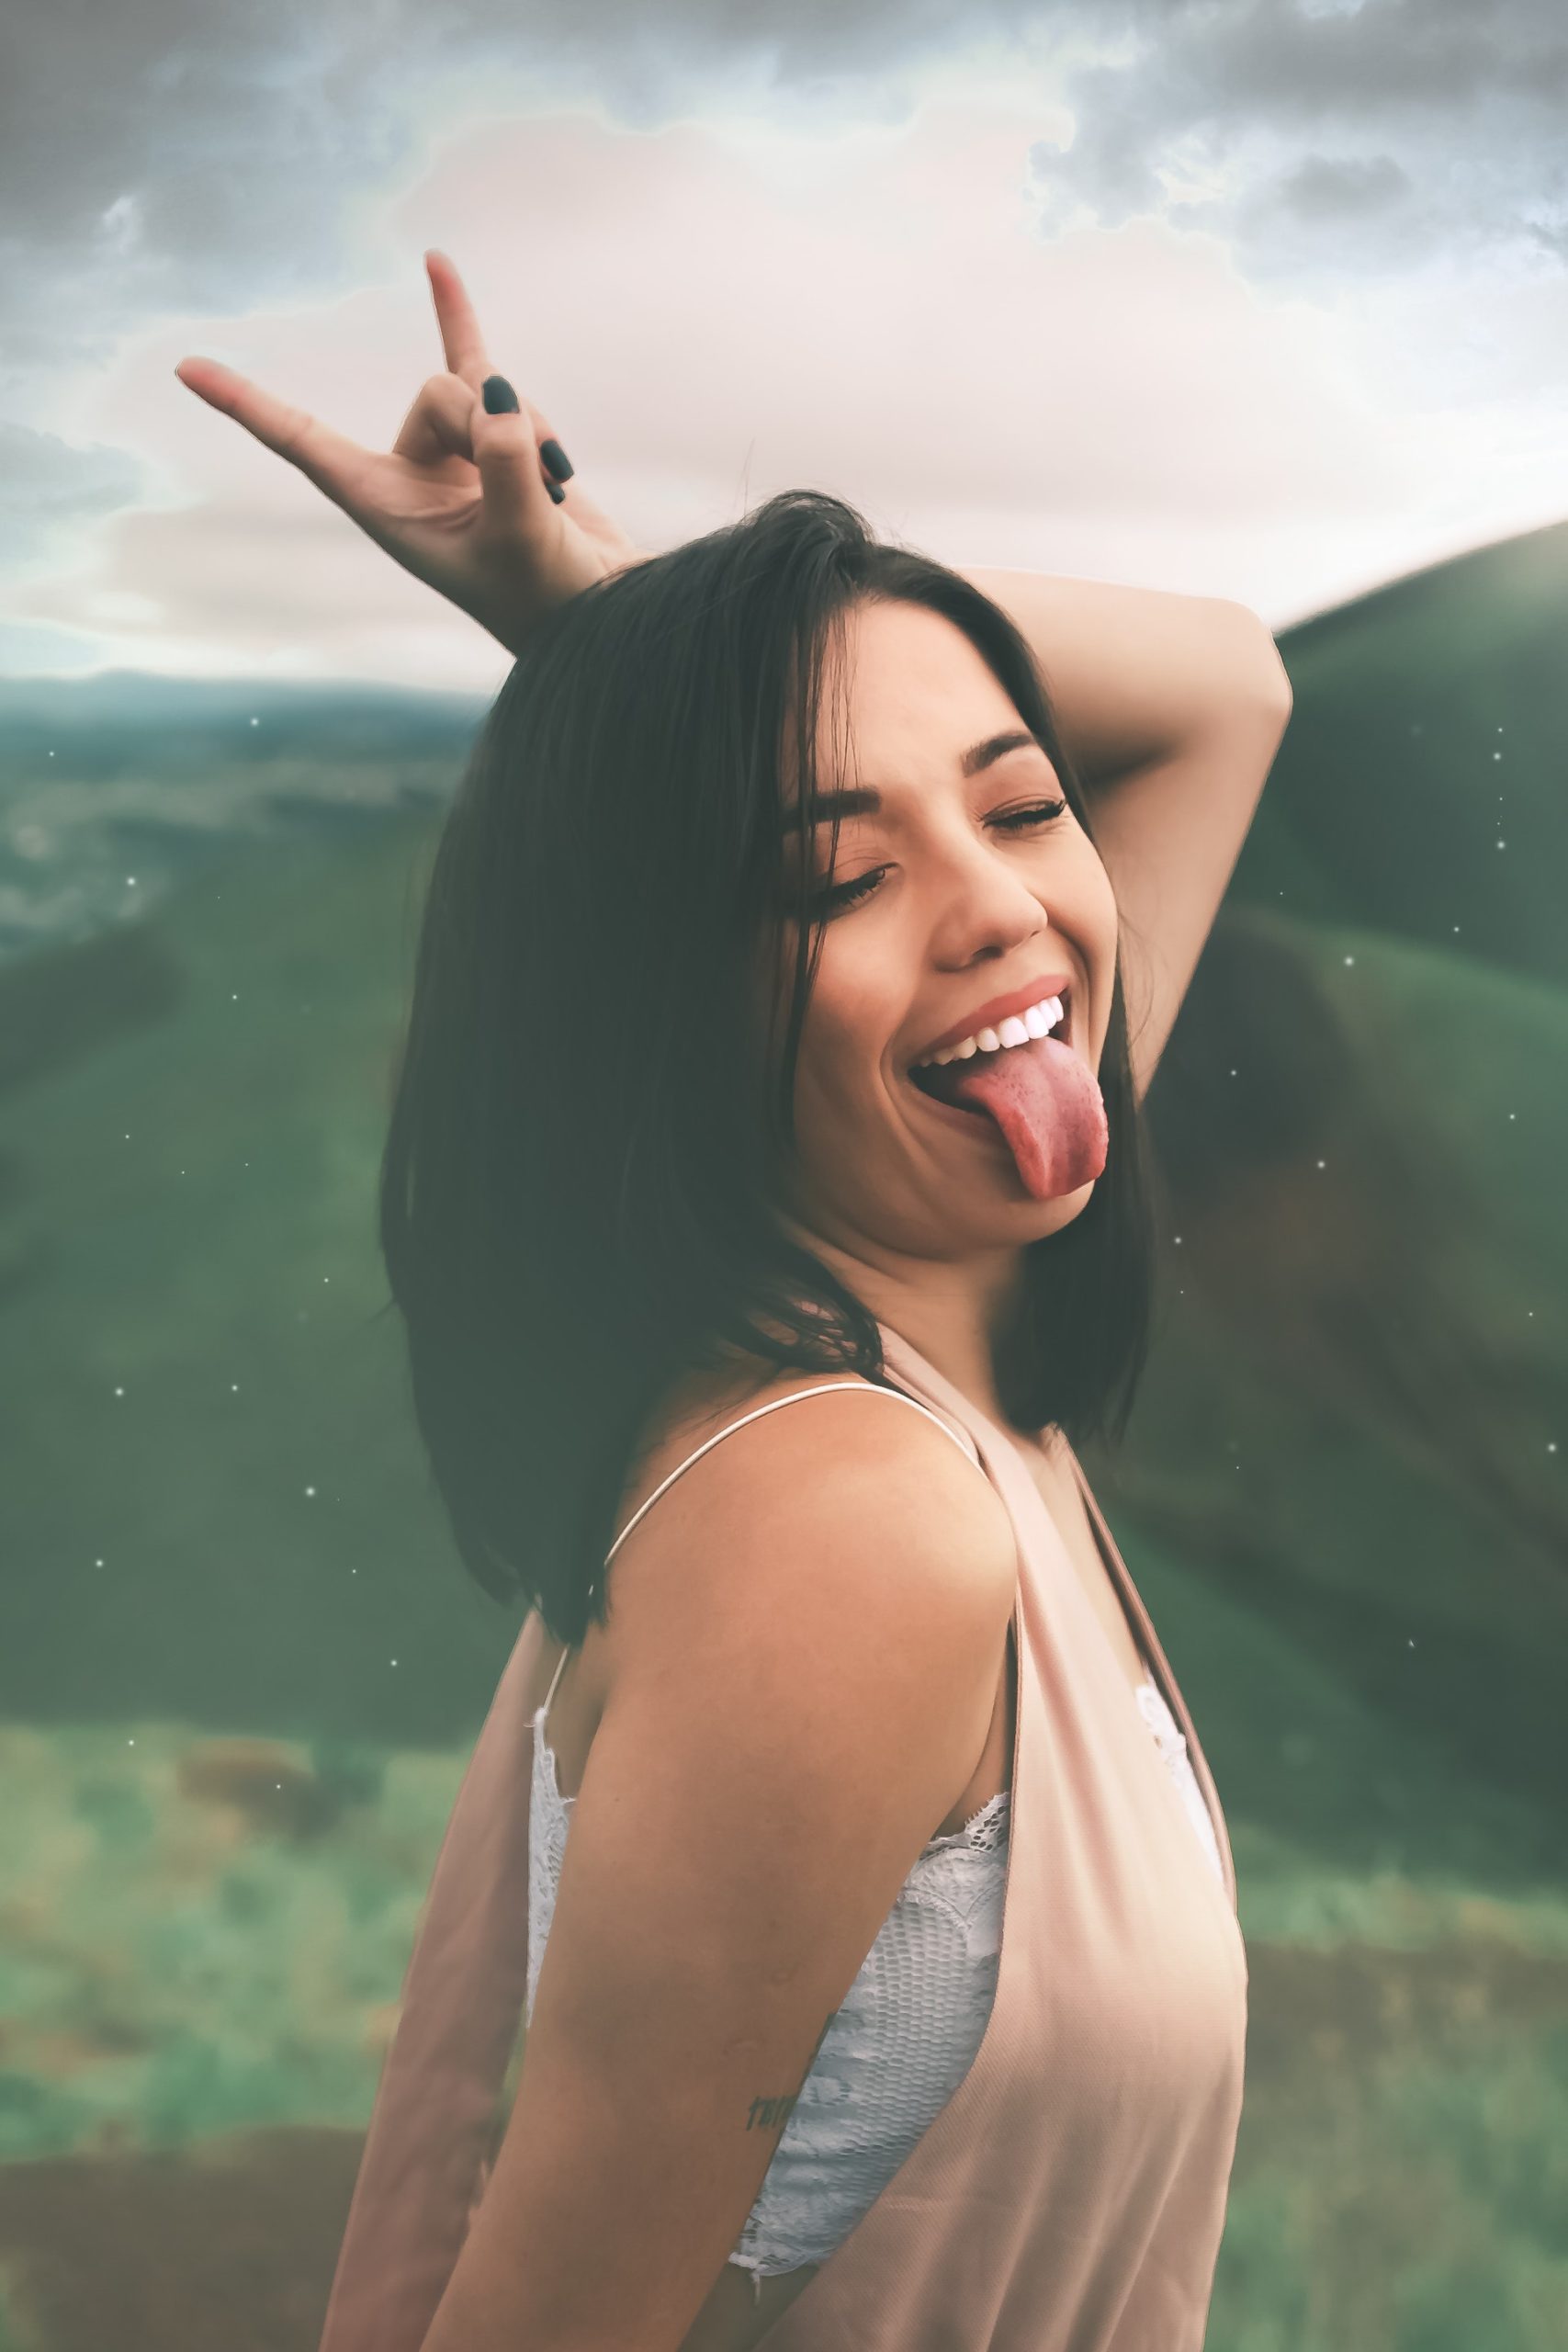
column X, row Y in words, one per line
column 587, row 1116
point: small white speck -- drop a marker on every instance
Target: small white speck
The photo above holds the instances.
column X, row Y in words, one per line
column 1349, row 959
column 1502, row 844
column 1323, row 1163
column 310, row 1490
column 1551, row 1445
column 120, row 1391
column 255, row 722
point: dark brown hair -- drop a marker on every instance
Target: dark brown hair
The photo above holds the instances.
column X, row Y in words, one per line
column 576, row 1185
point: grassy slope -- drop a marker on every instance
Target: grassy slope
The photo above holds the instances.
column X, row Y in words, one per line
column 1340, row 1450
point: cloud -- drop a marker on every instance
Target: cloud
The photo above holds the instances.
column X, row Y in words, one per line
column 1327, row 143
column 208, row 154
column 46, row 486
column 179, row 155
column 1187, row 278
column 704, row 319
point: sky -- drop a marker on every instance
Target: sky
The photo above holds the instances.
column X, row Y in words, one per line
column 1239, row 298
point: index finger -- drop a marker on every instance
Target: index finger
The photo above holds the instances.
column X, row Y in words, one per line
column 461, row 338
column 323, row 456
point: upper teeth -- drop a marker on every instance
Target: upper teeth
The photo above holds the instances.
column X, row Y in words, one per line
column 1035, row 1020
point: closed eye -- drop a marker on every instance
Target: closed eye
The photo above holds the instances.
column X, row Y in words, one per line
column 828, row 903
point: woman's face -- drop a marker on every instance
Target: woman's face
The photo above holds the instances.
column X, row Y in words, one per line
column 966, row 896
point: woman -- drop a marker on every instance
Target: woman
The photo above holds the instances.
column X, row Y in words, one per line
column 767, row 1050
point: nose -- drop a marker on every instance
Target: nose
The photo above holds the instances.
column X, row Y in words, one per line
column 984, row 907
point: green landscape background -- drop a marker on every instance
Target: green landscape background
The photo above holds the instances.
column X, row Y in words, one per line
column 241, row 1669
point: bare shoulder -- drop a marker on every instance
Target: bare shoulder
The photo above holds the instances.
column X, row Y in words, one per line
column 851, row 1494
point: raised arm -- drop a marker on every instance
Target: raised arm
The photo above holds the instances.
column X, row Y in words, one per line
column 1172, row 709
column 807, row 1653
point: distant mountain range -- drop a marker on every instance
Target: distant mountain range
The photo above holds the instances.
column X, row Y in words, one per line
column 123, row 773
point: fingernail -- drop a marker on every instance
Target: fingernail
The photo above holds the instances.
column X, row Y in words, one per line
column 556, row 492
column 500, row 400
column 555, row 457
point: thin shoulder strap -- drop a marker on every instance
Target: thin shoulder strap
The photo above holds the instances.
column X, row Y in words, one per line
column 871, row 1388
column 868, row 1387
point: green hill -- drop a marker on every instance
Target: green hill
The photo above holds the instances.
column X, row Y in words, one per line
column 240, row 1667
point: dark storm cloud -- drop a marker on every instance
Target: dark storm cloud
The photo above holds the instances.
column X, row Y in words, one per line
column 1361, row 139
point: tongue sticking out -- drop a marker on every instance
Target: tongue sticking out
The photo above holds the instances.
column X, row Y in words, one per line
column 1047, row 1103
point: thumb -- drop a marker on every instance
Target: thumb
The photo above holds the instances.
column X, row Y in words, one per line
column 506, row 452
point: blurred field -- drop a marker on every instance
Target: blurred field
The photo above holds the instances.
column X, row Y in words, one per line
column 240, row 1670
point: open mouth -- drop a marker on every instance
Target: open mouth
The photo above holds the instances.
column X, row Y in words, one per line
column 935, row 1080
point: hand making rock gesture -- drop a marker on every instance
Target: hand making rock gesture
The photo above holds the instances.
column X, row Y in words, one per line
column 472, row 498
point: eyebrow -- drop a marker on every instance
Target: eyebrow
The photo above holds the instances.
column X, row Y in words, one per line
column 863, row 800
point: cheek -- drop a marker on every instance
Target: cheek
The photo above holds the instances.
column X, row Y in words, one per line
column 847, row 1028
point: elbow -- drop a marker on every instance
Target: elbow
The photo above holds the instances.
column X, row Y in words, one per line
column 1260, row 664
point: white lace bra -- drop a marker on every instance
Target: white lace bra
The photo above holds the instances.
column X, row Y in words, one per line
column 909, row 2027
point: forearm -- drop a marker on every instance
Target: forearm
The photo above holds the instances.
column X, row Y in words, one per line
column 1134, row 673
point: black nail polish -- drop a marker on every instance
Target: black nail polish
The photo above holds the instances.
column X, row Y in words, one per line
column 500, row 400
column 555, row 457
column 556, row 492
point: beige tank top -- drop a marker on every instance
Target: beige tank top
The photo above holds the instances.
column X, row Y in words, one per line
column 1070, row 2195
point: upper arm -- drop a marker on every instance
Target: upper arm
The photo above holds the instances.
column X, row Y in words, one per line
column 1169, row 832
column 805, row 1675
